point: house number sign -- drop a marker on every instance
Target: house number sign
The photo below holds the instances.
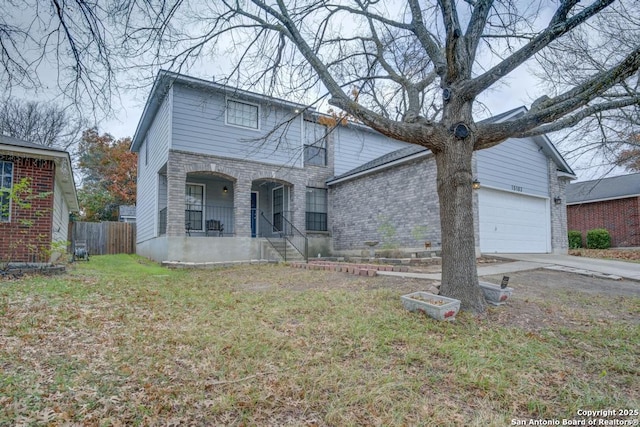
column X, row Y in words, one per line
column 516, row 188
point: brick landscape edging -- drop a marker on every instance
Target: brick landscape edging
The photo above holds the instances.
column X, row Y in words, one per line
column 370, row 270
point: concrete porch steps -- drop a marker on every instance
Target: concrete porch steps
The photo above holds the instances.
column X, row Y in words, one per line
column 273, row 251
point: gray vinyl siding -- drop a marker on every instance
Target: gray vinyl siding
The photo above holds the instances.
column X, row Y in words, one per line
column 515, row 165
column 158, row 142
column 355, row 147
column 199, row 127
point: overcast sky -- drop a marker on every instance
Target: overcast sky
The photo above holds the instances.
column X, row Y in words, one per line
column 517, row 89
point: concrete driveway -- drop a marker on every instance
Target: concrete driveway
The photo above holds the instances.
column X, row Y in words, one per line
column 603, row 268
column 627, row 270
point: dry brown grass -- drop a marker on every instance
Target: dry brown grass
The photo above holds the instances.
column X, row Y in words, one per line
column 632, row 255
column 120, row 341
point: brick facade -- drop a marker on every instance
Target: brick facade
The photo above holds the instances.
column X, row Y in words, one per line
column 404, row 198
column 27, row 236
column 390, row 206
column 242, row 173
column 621, row 217
column 558, row 189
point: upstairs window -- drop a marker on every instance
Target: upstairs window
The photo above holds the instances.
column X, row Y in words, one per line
column 315, row 154
column 6, row 184
column 316, row 215
column 242, row 114
column 315, row 144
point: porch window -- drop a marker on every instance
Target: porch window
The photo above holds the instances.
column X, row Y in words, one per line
column 316, row 215
column 278, row 208
column 194, row 207
column 6, row 184
column 242, row 114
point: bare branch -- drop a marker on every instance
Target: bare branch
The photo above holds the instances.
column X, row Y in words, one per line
column 472, row 88
column 553, row 110
column 427, row 40
column 476, row 26
column 46, row 124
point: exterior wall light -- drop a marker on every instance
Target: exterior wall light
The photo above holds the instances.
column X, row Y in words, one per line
column 557, row 200
column 225, row 189
column 475, row 184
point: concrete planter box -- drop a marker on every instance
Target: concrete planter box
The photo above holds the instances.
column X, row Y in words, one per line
column 436, row 306
column 494, row 294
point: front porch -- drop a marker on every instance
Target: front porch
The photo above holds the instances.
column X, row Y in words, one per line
column 226, row 219
column 203, row 221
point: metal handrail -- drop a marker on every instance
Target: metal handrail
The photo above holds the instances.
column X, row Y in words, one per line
column 291, row 234
column 298, row 240
column 269, row 239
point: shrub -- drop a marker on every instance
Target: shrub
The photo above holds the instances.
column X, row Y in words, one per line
column 575, row 239
column 598, row 238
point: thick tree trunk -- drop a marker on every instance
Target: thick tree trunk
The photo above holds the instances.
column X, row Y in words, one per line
column 455, row 178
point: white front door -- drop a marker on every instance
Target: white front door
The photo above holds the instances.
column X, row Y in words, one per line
column 280, row 207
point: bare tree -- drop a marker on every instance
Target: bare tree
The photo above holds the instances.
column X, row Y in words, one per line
column 599, row 141
column 61, row 45
column 40, row 123
column 412, row 70
column 418, row 68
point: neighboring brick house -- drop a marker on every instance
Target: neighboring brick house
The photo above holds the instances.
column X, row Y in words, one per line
column 29, row 227
column 609, row 203
column 224, row 173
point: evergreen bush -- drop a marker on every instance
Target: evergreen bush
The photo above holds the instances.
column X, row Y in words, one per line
column 575, row 239
column 598, row 238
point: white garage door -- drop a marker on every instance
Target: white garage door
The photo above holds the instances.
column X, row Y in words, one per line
column 513, row 223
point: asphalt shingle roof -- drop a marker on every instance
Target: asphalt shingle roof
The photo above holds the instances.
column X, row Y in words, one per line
column 616, row 187
column 387, row 158
column 9, row 140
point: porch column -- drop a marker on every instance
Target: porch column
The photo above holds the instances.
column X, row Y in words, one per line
column 299, row 201
column 176, row 181
column 242, row 207
column 559, row 227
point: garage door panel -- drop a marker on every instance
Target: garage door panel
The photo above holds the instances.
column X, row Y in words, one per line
column 511, row 222
column 531, row 232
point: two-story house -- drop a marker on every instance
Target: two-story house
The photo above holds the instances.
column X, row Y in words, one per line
column 226, row 175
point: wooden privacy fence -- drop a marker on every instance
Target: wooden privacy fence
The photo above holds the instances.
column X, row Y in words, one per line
column 106, row 238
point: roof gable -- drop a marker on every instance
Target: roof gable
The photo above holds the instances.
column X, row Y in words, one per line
column 64, row 171
column 10, row 140
column 166, row 79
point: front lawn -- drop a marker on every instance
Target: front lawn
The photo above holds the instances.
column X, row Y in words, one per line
column 121, row 341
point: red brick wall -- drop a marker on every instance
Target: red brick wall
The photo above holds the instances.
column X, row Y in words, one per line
column 20, row 242
column 620, row 217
